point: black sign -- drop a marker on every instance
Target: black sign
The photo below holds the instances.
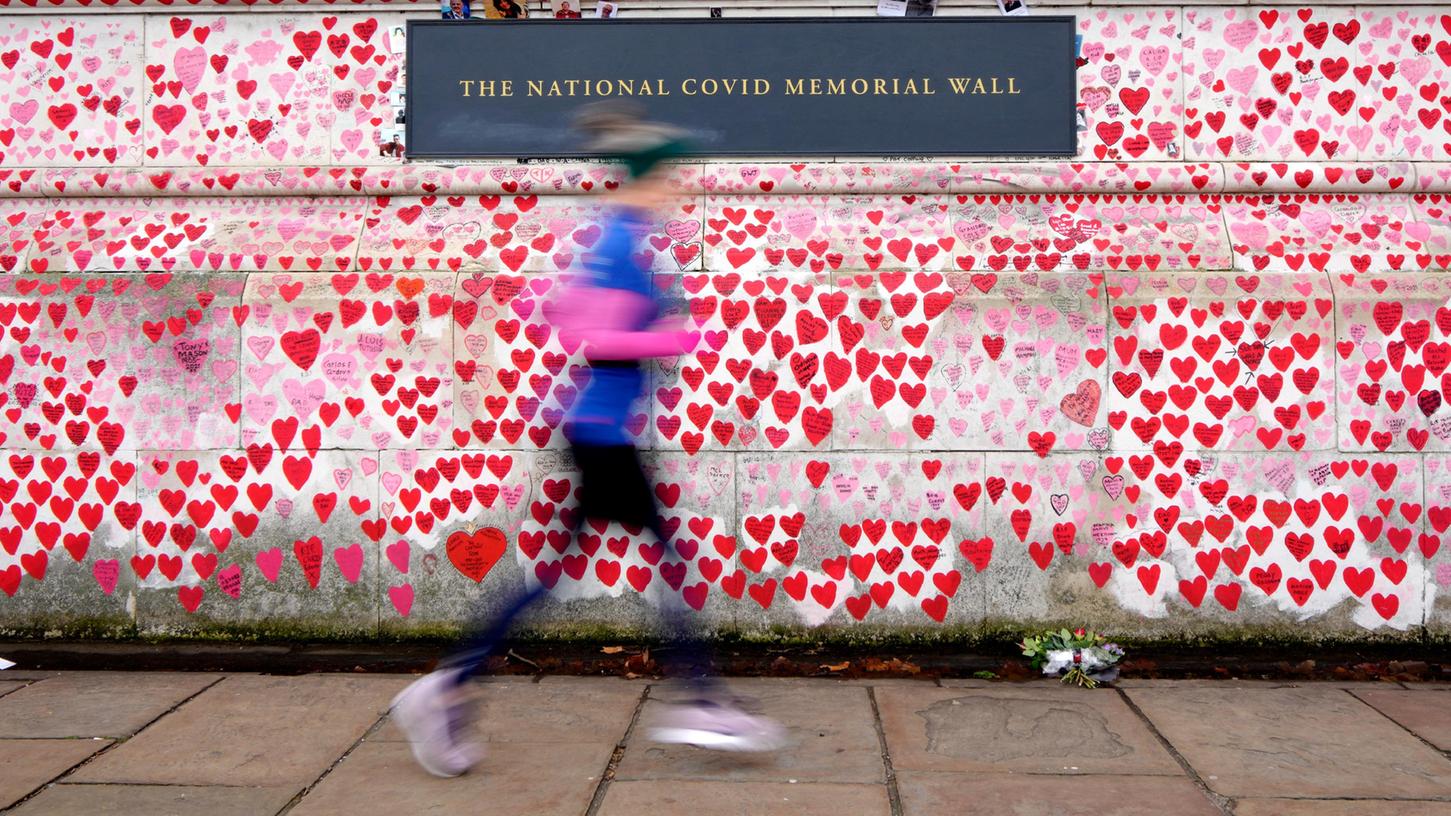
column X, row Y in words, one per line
column 918, row 87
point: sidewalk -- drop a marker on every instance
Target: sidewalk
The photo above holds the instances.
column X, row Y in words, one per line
column 248, row 745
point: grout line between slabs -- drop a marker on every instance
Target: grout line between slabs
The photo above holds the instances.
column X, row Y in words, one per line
column 1223, row 803
column 120, row 741
column 597, row 801
column 371, row 730
column 1397, row 723
column 894, row 795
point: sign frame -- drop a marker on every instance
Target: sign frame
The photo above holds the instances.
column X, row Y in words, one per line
column 1069, row 114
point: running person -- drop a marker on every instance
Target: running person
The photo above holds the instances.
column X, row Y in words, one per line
column 615, row 313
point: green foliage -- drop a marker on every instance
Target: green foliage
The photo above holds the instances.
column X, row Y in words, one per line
column 1096, row 649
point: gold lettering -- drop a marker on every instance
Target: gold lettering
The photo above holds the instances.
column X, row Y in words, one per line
column 466, row 83
column 1012, row 86
column 763, row 87
column 927, row 87
column 959, row 84
column 996, row 91
column 879, row 86
column 859, row 86
column 626, row 87
column 571, row 83
column 979, row 87
column 687, row 85
column 796, row 86
column 536, row 87
column 604, row 87
column 836, row 86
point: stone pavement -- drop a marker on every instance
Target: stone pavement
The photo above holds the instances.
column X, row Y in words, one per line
column 252, row 745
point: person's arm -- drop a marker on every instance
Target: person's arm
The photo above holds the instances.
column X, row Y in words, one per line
column 605, row 321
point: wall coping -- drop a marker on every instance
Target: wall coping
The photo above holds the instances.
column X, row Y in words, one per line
column 744, row 178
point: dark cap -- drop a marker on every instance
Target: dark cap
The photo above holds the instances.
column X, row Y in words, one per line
column 618, row 129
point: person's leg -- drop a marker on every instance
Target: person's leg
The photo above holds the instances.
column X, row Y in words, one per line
column 466, row 662
column 433, row 711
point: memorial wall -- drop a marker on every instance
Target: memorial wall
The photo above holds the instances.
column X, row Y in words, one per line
column 266, row 374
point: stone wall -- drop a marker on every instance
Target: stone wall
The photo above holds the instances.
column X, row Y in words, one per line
column 259, row 379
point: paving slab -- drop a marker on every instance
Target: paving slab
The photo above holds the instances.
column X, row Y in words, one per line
column 745, row 799
column 524, row 711
column 6, row 688
column 28, row 764
column 1047, row 728
column 538, row 779
column 157, row 800
column 1338, row 807
column 1423, row 713
column 253, row 731
column 939, row 793
column 830, row 732
column 1298, row 742
column 95, row 704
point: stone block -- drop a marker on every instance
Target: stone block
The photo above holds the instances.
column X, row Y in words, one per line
column 348, row 360
column 1392, row 354
column 1231, row 363
column 759, row 378
column 158, row 800
column 258, row 732
column 30, row 763
column 52, row 120
column 264, row 538
column 830, row 734
column 562, row 710
column 23, row 219
column 1277, row 542
column 203, row 234
column 535, row 778
column 1045, row 234
column 1237, row 58
column 1293, row 743
column 1129, row 84
column 66, row 541
column 1332, row 235
column 515, row 234
column 1340, row 807
column 882, row 540
column 708, row 798
column 927, row 793
column 968, row 362
column 1423, row 713
column 94, row 704
column 1040, row 729
column 114, row 363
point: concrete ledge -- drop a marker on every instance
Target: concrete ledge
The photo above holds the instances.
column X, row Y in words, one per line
column 746, row 178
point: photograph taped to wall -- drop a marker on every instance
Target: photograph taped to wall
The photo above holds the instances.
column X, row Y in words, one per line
column 606, row 10
column 1013, row 8
column 455, row 10
column 504, row 9
column 891, row 8
column 565, row 9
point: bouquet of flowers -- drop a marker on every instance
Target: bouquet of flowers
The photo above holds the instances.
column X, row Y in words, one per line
column 1081, row 656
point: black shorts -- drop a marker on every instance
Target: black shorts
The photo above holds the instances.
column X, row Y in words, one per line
column 613, row 485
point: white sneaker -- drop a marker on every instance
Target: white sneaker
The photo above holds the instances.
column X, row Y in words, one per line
column 720, row 727
column 430, row 713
